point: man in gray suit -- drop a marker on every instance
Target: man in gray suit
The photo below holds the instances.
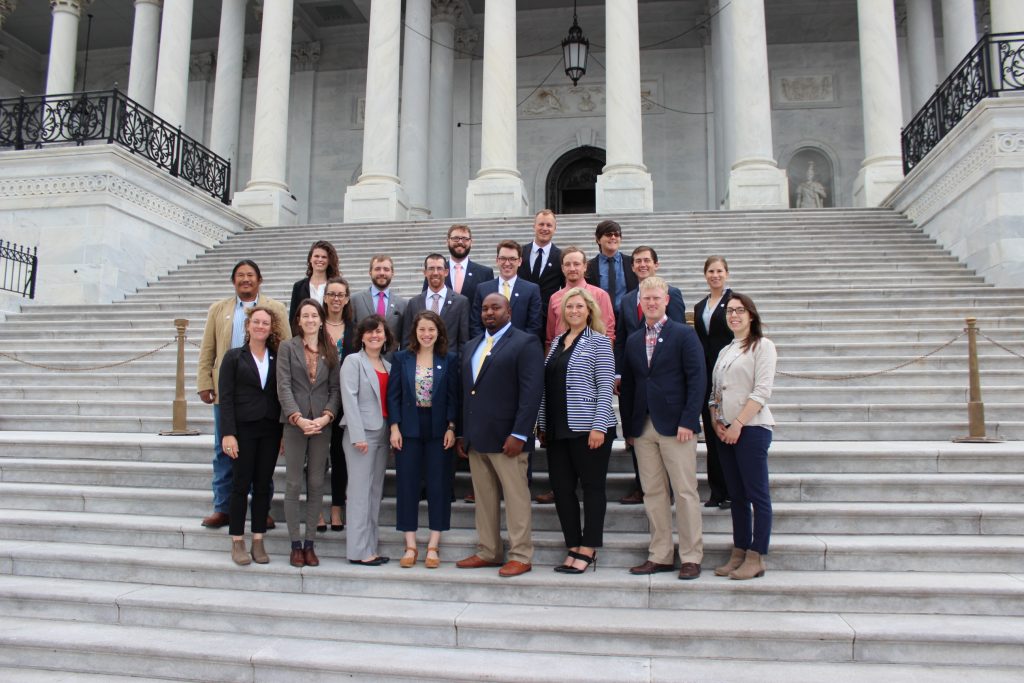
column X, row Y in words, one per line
column 437, row 297
column 379, row 298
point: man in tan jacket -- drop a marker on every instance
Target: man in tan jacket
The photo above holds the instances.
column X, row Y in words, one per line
column 225, row 329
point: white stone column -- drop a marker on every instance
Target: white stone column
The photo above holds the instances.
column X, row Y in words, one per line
column 442, row 89
column 415, row 121
column 498, row 189
column 305, row 60
column 171, row 98
column 200, row 69
column 1007, row 16
column 624, row 183
column 379, row 195
column 60, row 71
column 227, row 85
column 755, row 180
column 145, row 47
column 465, row 93
column 959, row 32
column 924, row 69
column 882, row 168
column 267, row 198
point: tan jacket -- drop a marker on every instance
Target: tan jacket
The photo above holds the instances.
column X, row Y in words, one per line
column 217, row 338
column 740, row 376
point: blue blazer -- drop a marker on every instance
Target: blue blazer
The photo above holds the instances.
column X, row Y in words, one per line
column 506, row 395
column 526, row 308
column 444, row 396
column 627, row 321
column 589, row 380
column 671, row 390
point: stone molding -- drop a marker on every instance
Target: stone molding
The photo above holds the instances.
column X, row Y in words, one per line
column 450, row 11
column 306, row 56
column 62, row 186
column 73, row 6
column 202, row 66
column 955, row 180
column 466, row 40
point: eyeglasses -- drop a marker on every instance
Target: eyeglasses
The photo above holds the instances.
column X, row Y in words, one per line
column 460, row 239
column 335, row 295
column 612, row 234
column 735, row 311
column 507, row 259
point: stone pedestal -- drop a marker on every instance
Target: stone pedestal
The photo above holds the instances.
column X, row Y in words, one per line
column 497, row 196
column 624, row 192
column 875, row 181
column 755, row 185
column 267, row 206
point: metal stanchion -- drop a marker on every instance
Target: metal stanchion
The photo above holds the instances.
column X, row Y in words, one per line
column 179, row 411
column 975, row 406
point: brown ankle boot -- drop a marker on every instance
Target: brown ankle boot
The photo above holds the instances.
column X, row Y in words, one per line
column 752, row 567
column 238, row 553
column 259, row 553
column 735, row 560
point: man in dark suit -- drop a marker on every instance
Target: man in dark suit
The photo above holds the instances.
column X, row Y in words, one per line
column 630, row 319
column 380, row 298
column 502, row 380
column 542, row 260
column 663, row 378
column 610, row 270
column 523, row 296
column 439, row 298
column 464, row 274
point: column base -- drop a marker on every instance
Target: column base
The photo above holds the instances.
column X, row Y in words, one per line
column 267, row 206
column 758, row 186
column 375, row 201
column 496, row 197
column 876, row 181
column 419, row 213
column 625, row 192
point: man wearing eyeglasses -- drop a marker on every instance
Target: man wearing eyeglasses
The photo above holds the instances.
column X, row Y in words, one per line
column 523, row 296
column 464, row 274
column 441, row 299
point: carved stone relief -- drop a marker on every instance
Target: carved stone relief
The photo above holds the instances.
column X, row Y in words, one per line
column 563, row 101
column 797, row 90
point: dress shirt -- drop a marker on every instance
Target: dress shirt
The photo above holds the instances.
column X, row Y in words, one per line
column 620, row 276
column 651, row 337
column 263, row 366
column 442, row 293
column 317, row 292
column 374, row 298
column 238, row 322
column 511, row 287
column 545, row 253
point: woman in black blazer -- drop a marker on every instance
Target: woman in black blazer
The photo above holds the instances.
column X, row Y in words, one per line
column 423, row 402
column 321, row 266
column 577, row 424
column 714, row 334
column 341, row 328
column 251, row 428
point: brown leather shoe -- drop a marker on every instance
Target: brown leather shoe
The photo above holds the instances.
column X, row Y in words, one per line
column 216, row 520
column 649, row 567
column 634, row 498
column 514, row 568
column 689, row 571
column 475, row 562
column 271, row 524
column 298, row 558
column 545, row 498
column 309, row 555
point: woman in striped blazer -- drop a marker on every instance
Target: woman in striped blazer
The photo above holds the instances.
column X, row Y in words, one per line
column 577, row 425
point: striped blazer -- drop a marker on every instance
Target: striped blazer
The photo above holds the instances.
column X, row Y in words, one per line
column 589, row 382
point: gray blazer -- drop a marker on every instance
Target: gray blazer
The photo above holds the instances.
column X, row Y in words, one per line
column 454, row 315
column 360, row 396
column 363, row 305
column 296, row 393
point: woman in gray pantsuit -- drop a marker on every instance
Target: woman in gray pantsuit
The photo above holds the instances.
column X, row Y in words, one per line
column 364, row 380
column 308, row 388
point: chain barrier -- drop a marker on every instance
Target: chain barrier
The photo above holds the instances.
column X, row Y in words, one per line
column 864, row 375
column 1004, row 348
column 107, row 366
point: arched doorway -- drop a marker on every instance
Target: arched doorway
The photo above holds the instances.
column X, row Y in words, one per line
column 572, row 180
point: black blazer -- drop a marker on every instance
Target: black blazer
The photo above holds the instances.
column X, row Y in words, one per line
column 454, row 315
column 551, row 277
column 719, row 336
column 300, row 291
column 475, row 274
column 242, row 399
column 444, row 397
column 593, row 276
column 627, row 321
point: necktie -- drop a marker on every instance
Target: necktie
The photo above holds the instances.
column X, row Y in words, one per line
column 536, row 265
column 488, row 343
column 612, row 284
column 458, row 278
column 639, row 310
column 506, row 290
column 381, row 307
column 436, row 306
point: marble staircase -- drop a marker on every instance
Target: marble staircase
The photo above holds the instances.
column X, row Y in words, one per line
column 896, row 555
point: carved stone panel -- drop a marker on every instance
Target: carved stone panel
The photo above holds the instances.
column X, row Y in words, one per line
column 803, row 89
column 565, row 101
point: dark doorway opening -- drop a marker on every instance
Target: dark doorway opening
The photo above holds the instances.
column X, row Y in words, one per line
column 572, row 180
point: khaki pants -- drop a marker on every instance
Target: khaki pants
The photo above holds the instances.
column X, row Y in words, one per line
column 665, row 461
column 495, row 475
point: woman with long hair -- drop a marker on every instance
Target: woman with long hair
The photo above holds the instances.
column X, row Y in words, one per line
column 321, row 266
column 341, row 328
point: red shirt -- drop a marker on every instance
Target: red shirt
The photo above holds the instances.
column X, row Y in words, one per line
column 382, row 379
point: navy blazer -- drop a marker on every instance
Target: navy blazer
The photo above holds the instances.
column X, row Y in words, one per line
column 627, row 321
column 671, row 389
column 526, row 310
column 505, row 398
column 444, row 396
column 242, row 399
column 475, row 274
column 593, row 275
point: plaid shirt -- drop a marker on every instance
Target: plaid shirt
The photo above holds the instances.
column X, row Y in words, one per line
column 651, row 337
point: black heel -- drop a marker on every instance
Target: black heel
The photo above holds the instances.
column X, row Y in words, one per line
column 589, row 559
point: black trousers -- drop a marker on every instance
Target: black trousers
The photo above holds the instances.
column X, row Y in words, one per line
column 258, row 446
column 339, row 470
column 716, row 478
column 571, row 462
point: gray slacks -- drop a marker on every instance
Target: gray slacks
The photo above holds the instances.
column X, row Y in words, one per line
column 364, row 493
column 307, row 453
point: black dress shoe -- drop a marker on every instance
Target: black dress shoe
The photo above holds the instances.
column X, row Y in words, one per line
column 712, row 503
column 375, row 562
column 337, row 527
column 725, row 504
column 321, row 528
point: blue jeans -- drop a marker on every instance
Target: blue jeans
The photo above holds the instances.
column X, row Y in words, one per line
column 222, row 470
column 745, row 466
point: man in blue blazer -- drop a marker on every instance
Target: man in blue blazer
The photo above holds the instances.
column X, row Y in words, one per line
column 523, row 296
column 464, row 274
column 502, row 384
column 663, row 378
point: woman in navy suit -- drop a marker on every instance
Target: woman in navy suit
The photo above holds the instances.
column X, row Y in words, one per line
column 714, row 334
column 251, row 428
column 423, row 402
column 577, row 425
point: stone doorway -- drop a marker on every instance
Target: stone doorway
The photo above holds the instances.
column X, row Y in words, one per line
column 572, row 180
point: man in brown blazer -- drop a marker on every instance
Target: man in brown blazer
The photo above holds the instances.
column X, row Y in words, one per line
column 225, row 329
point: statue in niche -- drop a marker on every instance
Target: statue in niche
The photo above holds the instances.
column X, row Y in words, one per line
column 543, row 102
column 810, row 194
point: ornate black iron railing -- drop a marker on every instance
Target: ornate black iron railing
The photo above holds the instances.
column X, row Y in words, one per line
column 18, row 267
column 110, row 116
column 994, row 65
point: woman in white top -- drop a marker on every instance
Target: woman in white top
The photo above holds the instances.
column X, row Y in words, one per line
column 741, row 386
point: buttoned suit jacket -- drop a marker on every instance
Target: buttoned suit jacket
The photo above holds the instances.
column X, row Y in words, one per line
column 526, row 308
column 360, row 396
column 294, row 389
column 364, row 305
column 551, row 277
column 475, row 274
column 243, row 397
column 627, row 321
column 444, row 395
column 671, row 389
column 454, row 314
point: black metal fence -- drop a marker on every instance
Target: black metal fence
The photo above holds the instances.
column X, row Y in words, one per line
column 110, row 116
column 18, row 268
column 994, row 65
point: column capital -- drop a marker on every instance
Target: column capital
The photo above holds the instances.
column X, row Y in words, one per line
column 201, row 65
column 306, row 56
column 158, row 3
column 466, row 40
column 72, row 6
column 450, row 11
